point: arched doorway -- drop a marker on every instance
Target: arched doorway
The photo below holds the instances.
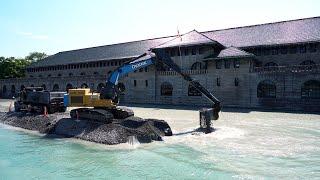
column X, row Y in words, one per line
column 121, row 87
column 310, row 90
column 84, row 85
column 197, row 66
column 55, row 87
column 166, row 89
column 13, row 89
column 100, row 86
column 266, row 89
column 4, row 89
column 69, row 86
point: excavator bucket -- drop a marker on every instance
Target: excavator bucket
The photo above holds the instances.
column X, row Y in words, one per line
column 206, row 115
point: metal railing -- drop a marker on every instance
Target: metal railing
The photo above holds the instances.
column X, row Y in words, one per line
column 189, row 72
column 285, row 69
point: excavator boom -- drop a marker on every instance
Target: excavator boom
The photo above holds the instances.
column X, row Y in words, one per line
column 109, row 95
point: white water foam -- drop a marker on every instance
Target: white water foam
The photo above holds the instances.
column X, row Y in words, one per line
column 98, row 146
column 190, row 136
column 133, row 141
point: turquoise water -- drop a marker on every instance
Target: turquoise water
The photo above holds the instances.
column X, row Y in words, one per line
column 259, row 146
column 32, row 156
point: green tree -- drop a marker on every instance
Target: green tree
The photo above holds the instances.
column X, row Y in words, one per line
column 15, row 67
column 36, row 56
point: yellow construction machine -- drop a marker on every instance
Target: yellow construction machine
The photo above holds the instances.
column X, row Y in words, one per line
column 103, row 106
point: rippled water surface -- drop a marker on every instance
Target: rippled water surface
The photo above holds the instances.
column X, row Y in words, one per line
column 246, row 145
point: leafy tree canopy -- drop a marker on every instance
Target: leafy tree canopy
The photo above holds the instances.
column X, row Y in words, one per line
column 35, row 56
column 12, row 67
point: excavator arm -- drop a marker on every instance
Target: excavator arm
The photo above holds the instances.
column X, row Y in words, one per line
column 112, row 89
column 142, row 61
column 206, row 114
column 166, row 59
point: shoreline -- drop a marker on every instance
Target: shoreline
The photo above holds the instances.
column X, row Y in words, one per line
column 87, row 144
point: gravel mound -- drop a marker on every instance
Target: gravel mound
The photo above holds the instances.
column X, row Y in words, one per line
column 119, row 131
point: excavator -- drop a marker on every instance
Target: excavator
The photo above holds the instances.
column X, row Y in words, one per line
column 103, row 106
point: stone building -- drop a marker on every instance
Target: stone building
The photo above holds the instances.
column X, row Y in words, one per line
column 274, row 65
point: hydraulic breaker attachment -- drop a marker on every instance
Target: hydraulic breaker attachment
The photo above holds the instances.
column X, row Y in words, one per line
column 206, row 115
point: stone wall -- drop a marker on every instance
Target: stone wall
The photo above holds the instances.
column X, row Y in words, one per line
column 144, row 86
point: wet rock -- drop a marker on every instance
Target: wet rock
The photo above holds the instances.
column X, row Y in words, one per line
column 29, row 121
column 91, row 131
column 119, row 131
column 162, row 126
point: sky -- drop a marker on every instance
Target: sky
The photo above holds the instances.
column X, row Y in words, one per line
column 52, row 26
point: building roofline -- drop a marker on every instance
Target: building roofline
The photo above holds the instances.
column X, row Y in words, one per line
column 86, row 62
column 175, row 37
column 150, row 39
column 280, row 44
column 261, row 24
column 172, row 36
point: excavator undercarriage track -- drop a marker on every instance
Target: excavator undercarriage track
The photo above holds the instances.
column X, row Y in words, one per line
column 101, row 115
column 121, row 112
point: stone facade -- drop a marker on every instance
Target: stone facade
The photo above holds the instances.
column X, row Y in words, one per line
column 281, row 76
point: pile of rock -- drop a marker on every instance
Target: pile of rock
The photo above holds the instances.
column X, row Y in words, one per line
column 119, row 131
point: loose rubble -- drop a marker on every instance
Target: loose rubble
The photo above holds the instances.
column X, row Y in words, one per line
column 119, row 131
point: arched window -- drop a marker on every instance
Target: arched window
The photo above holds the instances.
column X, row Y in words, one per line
column 55, row 87
column 69, row 86
column 100, row 86
column 84, row 85
column 197, row 66
column 70, row 74
column 121, row 87
column 310, row 90
column 44, row 86
column 266, row 89
column 4, row 89
column 13, row 89
column 271, row 64
column 82, row 74
column 308, row 63
column 192, row 91
column 95, row 73
column 236, row 81
column 31, row 85
column 166, row 89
